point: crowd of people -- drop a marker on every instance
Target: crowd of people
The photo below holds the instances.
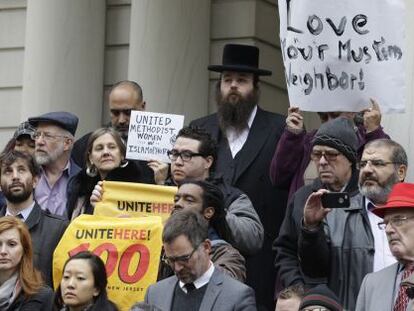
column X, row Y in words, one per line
column 267, row 216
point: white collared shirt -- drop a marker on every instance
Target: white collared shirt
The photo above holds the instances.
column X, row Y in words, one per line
column 383, row 256
column 238, row 139
column 25, row 213
column 202, row 280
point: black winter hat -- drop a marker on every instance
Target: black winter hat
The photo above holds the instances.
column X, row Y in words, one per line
column 322, row 296
column 338, row 133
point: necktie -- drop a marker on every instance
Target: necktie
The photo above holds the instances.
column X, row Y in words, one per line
column 190, row 287
column 20, row 216
column 402, row 298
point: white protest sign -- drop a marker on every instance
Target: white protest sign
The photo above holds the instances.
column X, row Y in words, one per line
column 339, row 53
column 152, row 134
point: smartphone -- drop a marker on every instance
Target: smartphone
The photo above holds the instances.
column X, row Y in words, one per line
column 335, row 200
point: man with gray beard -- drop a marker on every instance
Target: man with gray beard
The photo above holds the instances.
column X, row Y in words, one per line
column 383, row 164
column 54, row 139
column 326, row 241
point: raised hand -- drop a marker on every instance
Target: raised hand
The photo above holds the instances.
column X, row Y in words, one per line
column 294, row 120
column 160, row 171
column 372, row 116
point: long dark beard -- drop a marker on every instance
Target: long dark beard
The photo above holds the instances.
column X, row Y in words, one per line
column 235, row 114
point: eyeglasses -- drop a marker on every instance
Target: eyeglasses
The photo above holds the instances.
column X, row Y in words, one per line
column 185, row 155
column 47, row 136
column 395, row 222
column 374, row 164
column 180, row 259
column 316, row 155
column 117, row 112
column 315, row 309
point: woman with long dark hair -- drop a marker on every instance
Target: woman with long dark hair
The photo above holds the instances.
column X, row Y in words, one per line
column 83, row 285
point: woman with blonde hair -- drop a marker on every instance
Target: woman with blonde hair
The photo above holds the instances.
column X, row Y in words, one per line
column 21, row 285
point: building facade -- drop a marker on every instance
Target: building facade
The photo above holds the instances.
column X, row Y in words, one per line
column 66, row 54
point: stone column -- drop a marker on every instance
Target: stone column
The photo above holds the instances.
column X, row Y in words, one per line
column 169, row 54
column 64, row 58
column 401, row 126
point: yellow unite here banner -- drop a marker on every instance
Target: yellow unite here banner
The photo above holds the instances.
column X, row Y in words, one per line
column 135, row 200
column 129, row 247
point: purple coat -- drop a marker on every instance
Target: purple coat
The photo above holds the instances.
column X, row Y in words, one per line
column 292, row 156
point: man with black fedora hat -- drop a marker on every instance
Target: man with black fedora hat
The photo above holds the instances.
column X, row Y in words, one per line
column 247, row 138
column 54, row 139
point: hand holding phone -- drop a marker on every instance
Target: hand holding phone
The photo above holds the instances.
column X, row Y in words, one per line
column 335, row 200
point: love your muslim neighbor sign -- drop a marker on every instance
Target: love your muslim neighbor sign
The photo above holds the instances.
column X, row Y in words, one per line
column 337, row 54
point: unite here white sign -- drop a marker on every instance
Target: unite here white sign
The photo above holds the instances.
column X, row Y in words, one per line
column 152, row 134
column 339, row 53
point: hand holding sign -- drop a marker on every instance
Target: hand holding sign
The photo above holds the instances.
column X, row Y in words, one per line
column 294, row 120
column 160, row 171
column 372, row 116
column 96, row 195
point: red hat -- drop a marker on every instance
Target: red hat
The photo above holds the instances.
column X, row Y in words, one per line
column 401, row 196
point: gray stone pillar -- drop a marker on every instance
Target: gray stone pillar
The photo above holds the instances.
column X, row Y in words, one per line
column 169, row 54
column 401, row 126
column 63, row 62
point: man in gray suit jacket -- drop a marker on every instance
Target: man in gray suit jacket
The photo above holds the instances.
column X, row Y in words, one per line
column 383, row 290
column 197, row 285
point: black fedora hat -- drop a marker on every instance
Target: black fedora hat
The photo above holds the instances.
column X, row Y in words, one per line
column 240, row 58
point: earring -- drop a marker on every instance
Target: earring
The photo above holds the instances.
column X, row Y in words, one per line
column 91, row 171
column 123, row 163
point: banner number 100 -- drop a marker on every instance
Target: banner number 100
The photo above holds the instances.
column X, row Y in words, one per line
column 124, row 259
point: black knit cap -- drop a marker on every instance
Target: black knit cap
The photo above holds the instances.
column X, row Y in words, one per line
column 338, row 133
column 322, row 296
